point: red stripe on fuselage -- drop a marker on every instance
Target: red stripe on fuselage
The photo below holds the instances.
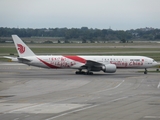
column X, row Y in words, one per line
column 49, row 65
column 76, row 58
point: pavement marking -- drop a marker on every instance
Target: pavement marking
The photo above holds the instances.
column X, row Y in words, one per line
column 16, row 119
column 116, row 93
column 27, row 116
column 2, row 101
column 152, row 117
column 34, row 105
column 139, row 84
column 52, row 108
column 85, row 108
column 110, row 88
column 158, row 85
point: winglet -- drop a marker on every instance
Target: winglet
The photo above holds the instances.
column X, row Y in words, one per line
column 22, row 49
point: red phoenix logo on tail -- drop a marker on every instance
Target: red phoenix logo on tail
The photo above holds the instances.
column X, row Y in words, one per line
column 21, row 48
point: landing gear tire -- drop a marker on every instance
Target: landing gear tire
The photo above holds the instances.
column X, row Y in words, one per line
column 145, row 72
column 89, row 73
column 80, row 72
column 83, row 73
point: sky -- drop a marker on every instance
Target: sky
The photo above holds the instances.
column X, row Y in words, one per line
column 101, row 14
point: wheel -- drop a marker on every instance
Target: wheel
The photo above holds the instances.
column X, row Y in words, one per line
column 83, row 72
column 76, row 72
column 89, row 73
column 80, row 72
column 145, row 72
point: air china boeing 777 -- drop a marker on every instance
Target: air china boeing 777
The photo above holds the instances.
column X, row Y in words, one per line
column 107, row 64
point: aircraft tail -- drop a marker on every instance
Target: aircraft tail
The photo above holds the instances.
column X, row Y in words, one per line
column 22, row 49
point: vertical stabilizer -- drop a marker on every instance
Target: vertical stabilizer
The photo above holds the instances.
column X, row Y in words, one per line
column 22, row 49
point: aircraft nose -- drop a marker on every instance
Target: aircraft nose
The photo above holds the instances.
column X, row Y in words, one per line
column 156, row 63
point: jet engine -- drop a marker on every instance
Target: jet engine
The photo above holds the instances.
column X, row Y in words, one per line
column 109, row 68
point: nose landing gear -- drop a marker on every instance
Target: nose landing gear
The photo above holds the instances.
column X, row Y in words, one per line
column 145, row 72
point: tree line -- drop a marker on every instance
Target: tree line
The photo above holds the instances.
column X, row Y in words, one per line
column 84, row 33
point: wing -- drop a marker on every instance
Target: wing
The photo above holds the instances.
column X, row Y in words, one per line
column 92, row 65
column 96, row 66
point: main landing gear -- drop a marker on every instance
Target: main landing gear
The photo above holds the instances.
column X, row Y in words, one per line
column 80, row 72
column 145, row 72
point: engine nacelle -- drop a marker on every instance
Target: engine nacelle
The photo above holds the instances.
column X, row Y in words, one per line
column 109, row 68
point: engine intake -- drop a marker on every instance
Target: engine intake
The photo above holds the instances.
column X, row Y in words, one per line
column 109, row 68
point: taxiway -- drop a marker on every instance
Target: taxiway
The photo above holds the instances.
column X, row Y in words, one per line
column 30, row 93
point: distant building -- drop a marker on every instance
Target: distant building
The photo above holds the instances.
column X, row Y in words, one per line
column 147, row 29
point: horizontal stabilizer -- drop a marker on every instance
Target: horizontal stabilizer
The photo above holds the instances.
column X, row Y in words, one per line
column 11, row 59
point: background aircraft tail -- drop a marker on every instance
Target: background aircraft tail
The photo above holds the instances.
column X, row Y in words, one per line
column 22, row 49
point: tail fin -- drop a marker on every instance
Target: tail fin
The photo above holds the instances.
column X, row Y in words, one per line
column 22, row 49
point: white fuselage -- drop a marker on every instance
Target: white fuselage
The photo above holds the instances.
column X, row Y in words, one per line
column 75, row 62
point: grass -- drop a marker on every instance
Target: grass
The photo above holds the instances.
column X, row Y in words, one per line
column 80, row 50
column 111, row 49
column 89, row 44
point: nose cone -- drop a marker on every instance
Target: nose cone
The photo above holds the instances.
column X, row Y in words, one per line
column 156, row 63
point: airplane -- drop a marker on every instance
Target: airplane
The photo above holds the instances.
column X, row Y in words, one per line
column 107, row 64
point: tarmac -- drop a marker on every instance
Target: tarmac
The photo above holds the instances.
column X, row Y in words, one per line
column 30, row 93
